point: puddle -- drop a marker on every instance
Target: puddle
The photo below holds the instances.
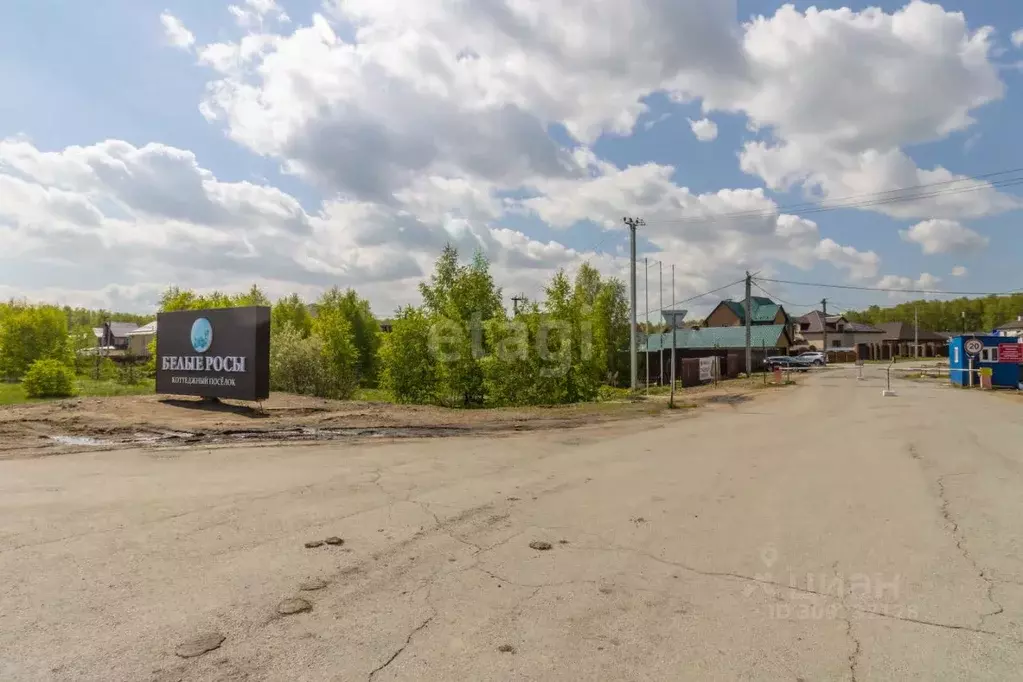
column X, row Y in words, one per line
column 76, row 440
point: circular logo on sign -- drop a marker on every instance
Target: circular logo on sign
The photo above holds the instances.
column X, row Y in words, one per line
column 202, row 335
column 973, row 346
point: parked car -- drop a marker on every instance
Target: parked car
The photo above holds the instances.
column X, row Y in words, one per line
column 815, row 358
column 786, row 362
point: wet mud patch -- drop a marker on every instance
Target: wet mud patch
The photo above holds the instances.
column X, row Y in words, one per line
column 729, row 399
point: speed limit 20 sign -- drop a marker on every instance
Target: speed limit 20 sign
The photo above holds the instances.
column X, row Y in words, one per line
column 973, row 346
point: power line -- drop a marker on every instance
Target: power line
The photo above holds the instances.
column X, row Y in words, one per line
column 778, row 298
column 866, row 200
column 888, row 290
column 706, row 293
column 927, row 185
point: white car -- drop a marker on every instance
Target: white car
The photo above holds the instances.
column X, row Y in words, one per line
column 815, row 358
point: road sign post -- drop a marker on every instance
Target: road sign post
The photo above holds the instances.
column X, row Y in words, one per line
column 973, row 346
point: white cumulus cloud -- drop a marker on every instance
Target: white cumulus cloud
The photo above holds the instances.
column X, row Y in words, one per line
column 175, row 31
column 904, row 287
column 1017, row 37
column 704, row 129
column 959, row 271
column 944, row 236
column 421, row 122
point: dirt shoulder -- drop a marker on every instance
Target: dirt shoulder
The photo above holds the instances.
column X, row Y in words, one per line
column 89, row 424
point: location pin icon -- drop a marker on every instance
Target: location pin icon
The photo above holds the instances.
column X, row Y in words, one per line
column 769, row 555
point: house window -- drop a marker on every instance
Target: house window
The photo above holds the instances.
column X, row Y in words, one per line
column 837, row 343
column 989, row 354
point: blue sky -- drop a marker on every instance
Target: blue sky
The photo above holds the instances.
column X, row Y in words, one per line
column 78, row 74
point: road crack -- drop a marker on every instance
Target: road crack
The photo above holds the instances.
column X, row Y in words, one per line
column 960, row 541
column 728, row 575
column 854, row 655
column 398, row 652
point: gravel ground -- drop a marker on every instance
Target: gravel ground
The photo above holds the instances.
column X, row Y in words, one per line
column 821, row 533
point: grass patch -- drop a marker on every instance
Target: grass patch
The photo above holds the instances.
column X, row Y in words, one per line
column 14, row 394
column 373, row 395
column 11, row 394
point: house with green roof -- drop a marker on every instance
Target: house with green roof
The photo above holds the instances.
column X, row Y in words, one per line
column 763, row 311
column 728, row 344
column 775, row 339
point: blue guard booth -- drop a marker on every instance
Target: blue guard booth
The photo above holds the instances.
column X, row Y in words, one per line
column 1005, row 370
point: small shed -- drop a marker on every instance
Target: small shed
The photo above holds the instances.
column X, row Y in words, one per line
column 1003, row 362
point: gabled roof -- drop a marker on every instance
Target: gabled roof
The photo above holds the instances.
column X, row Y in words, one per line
column 144, row 330
column 730, row 338
column 762, row 310
column 1013, row 324
column 121, row 329
column 900, row 331
column 815, row 321
column 860, row 328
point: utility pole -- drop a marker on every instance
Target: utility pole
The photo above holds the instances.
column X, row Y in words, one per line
column 747, row 314
column 916, row 332
column 660, row 353
column 632, row 224
column 646, row 344
column 515, row 302
column 824, row 307
column 671, row 401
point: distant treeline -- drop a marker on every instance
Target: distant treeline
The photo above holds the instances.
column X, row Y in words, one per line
column 961, row 314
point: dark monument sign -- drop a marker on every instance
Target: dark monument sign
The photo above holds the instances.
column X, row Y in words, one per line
column 219, row 353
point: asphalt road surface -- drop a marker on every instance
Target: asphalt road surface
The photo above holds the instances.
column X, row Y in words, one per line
column 816, row 533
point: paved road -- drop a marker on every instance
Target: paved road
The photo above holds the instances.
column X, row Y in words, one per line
column 822, row 533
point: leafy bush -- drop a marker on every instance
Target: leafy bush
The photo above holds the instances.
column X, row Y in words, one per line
column 108, row 370
column 149, row 367
column 291, row 310
column 360, row 327
column 30, row 333
column 305, row 366
column 409, row 368
column 609, row 394
column 49, row 379
column 130, row 372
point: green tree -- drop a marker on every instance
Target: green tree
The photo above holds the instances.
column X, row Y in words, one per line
column 174, row 299
column 82, row 339
column 291, row 310
column 364, row 327
column 85, row 317
column 460, row 300
column 528, row 364
column 332, row 330
column 30, row 333
column 254, row 296
column 408, row 370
